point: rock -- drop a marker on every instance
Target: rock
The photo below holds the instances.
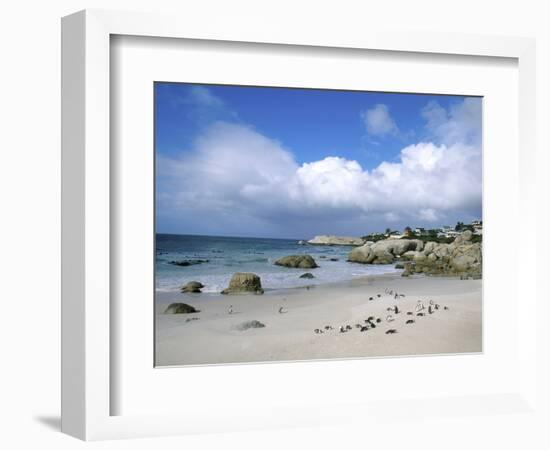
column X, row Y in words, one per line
column 249, row 324
column 400, row 266
column 243, row 282
column 307, row 275
column 398, row 246
column 297, row 261
column 461, row 258
column 334, row 259
column 464, row 237
column 429, row 247
column 192, row 286
column 180, row 308
column 335, row 240
column 409, row 270
column 385, row 251
column 188, row 262
column 409, row 256
column 302, row 243
column 383, row 258
column 363, row 254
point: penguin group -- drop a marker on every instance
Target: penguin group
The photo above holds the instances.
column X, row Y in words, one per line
column 371, row 322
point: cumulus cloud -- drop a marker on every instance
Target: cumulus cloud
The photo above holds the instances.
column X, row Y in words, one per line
column 378, row 121
column 233, row 171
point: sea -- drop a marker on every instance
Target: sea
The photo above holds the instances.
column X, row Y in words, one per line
column 223, row 256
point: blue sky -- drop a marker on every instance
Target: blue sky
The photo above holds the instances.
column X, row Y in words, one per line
column 278, row 162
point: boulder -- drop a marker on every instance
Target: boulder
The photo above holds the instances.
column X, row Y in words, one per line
column 297, row 261
column 249, row 324
column 429, row 247
column 383, row 258
column 180, row 308
column 243, row 283
column 335, row 240
column 192, row 286
column 302, row 243
column 363, row 254
column 307, row 275
column 409, row 256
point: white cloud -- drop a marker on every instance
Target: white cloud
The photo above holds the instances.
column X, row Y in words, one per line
column 234, row 171
column 378, row 121
column 460, row 124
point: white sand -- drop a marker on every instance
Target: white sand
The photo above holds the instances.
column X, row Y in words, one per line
column 214, row 339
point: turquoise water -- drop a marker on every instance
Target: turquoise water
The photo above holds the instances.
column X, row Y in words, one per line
column 227, row 255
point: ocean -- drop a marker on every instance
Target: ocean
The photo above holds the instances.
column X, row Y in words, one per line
column 223, row 256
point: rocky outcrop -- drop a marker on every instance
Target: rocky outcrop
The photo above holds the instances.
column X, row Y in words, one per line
column 192, row 286
column 336, row 240
column 384, row 252
column 461, row 257
column 297, row 261
column 243, row 283
column 180, row 308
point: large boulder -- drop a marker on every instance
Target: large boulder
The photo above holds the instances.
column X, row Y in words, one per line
column 192, row 286
column 243, row 283
column 409, row 256
column 180, row 308
column 363, row 254
column 429, row 247
column 335, row 240
column 384, row 252
column 297, row 261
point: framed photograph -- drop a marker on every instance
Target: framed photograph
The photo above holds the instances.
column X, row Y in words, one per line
column 255, row 222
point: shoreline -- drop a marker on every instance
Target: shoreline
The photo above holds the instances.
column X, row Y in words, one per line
column 211, row 336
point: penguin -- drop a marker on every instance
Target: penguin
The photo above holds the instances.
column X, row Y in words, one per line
column 348, row 327
column 378, row 320
column 409, row 321
column 389, row 318
column 409, row 313
column 396, row 309
column 420, row 314
column 365, row 328
column 430, row 309
column 392, row 331
column 230, row 310
column 342, row 330
column 371, row 298
column 281, row 310
column 379, row 295
column 446, row 308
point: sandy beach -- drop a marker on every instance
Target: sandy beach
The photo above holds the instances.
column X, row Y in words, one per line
column 212, row 336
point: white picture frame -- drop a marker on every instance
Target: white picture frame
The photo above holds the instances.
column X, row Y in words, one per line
column 87, row 325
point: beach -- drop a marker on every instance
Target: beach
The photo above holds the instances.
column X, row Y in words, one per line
column 213, row 336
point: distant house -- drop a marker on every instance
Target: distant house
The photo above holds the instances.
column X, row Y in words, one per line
column 447, row 228
column 395, row 235
column 420, row 231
